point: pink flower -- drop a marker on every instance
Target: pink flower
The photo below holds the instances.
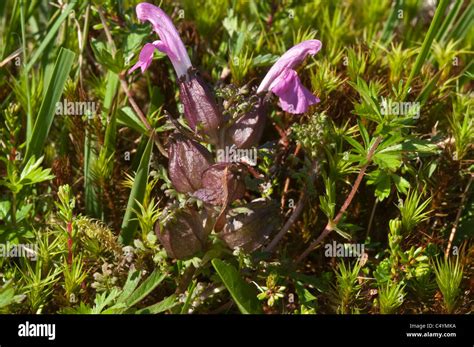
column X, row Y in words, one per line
column 283, row 81
column 200, row 108
column 170, row 43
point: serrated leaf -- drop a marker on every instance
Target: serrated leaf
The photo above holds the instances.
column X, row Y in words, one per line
column 32, row 173
column 411, row 145
column 402, row 184
column 388, row 160
column 381, row 180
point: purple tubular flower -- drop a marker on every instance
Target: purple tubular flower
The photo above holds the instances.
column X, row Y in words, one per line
column 170, row 42
column 200, row 108
column 283, row 81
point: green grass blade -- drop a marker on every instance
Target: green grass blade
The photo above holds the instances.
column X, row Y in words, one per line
column 7, row 29
column 448, row 22
column 51, row 34
column 428, row 89
column 464, row 24
column 391, row 22
column 45, row 117
column 187, row 303
column 91, row 199
column 425, row 48
column 29, row 116
column 111, row 92
column 130, row 223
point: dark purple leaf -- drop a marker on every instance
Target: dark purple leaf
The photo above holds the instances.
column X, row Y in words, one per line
column 188, row 160
column 247, row 130
column 221, row 184
column 249, row 226
column 200, row 108
column 184, row 235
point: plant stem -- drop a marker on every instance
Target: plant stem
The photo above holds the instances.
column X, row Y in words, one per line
column 287, row 181
column 296, row 213
column 125, row 88
column 82, row 44
column 13, row 209
column 185, row 280
column 458, row 217
column 332, row 224
column 142, row 117
column 371, row 219
column 69, row 242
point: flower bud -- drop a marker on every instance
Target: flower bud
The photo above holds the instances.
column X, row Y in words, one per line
column 188, row 160
column 200, row 108
column 184, row 235
column 247, row 130
column 249, row 226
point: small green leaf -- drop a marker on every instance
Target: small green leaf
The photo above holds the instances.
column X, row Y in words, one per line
column 357, row 146
column 32, row 172
column 381, row 180
column 131, row 284
column 388, row 160
column 127, row 117
column 164, row 305
column 146, row 287
column 402, row 184
column 243, row 293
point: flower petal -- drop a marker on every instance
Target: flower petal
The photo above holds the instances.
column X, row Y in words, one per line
column 293, row 57
column 163, row 48
column 294, row 97
column 145, row 58
column 170, row 43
